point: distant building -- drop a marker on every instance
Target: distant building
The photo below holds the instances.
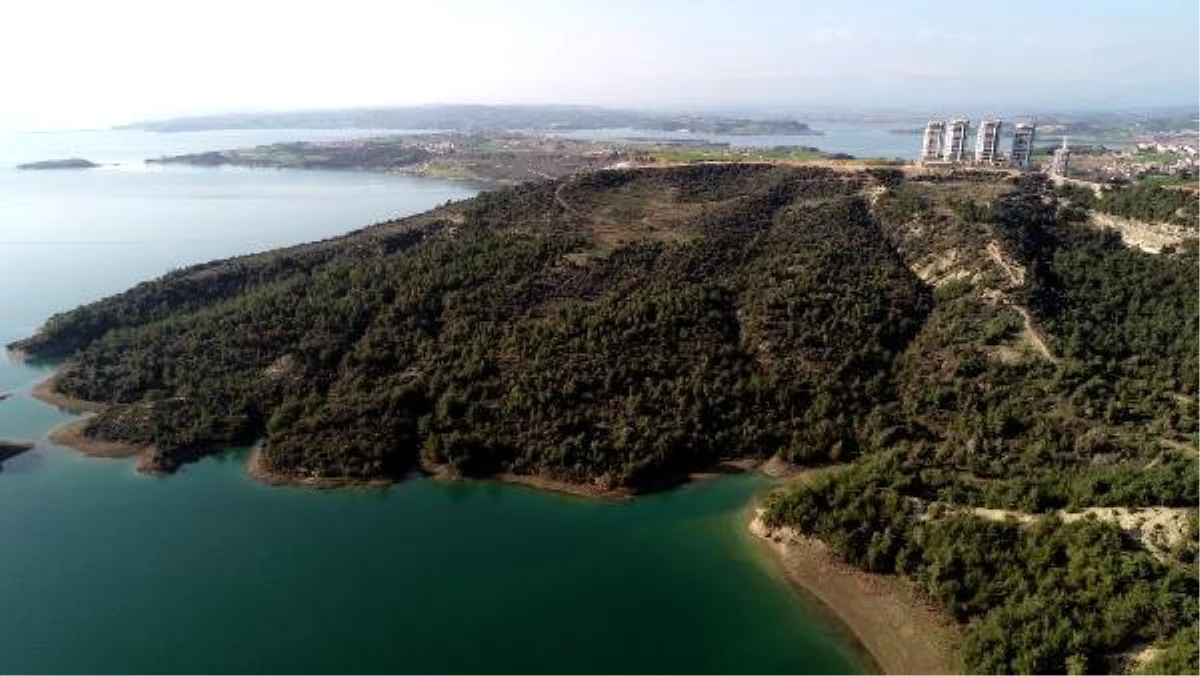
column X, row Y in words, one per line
column 956, row 140
column 1022, row 146
column 987, row 142
column 1062, row 158
column 935, row 137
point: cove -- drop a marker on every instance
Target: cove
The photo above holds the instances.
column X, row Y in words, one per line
column 108, row 571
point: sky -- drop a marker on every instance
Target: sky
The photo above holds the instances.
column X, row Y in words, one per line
column 79, row 63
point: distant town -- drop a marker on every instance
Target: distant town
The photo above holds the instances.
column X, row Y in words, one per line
column 1173, row 157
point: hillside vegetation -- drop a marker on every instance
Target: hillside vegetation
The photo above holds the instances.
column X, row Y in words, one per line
column 1105, row 416
column 962, row 341
column 1144, row 201
column 621, row 328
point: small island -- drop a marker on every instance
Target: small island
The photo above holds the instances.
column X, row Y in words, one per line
column 10, row 449
column 70, row 163
column 476, row 118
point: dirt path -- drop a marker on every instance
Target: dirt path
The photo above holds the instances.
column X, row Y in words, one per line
column 1156, row 529
column 1016, row 277
column 1149, row 237
column 562, row 202
column 1032, row 335
column 1186, row 449
column 1016, row 273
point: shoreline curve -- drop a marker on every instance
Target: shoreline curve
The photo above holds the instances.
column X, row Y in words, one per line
column 899, row 632
column 46, row 392
column 71, row 435
column 882, row 616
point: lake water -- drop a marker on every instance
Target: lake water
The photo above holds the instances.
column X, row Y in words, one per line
column 860, row 139
column 104, row 570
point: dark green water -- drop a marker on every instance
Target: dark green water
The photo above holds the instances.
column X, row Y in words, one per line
column 104, row 570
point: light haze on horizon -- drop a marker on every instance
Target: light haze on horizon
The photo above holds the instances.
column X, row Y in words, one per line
column 81, row 64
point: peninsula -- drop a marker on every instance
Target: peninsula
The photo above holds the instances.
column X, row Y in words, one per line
column 493, row 158
column 1007, row 390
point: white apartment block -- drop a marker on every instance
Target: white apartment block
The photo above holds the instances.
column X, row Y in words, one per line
column 956, row 140
column 1022, row 146
column 935, row 136
column 987, row 142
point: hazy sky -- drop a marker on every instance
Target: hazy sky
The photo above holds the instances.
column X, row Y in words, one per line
column 110, row 61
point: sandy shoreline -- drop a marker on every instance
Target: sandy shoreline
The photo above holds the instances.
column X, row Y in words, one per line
column 564, row 487
column 45, row 391
column 900, row 632
column 72, row 435
column 259, row 472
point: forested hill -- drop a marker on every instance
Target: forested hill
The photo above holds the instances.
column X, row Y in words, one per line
column 963, row 345
column 619, row 327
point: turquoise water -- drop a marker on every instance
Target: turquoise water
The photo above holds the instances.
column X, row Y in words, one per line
column 104, row 570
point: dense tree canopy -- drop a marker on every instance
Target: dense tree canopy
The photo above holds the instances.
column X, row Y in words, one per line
column 1102, row 425
column 524, row 331
column 962, row 338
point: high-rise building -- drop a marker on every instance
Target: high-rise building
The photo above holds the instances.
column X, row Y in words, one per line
column 987, row 142
column 935, row 136
column 1022, row 146
column 1062, row 158
column 956, row 140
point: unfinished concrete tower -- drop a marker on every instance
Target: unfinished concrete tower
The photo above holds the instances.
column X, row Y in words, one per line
column 987, row 142
column 935, row 137
column 1022, row 146
column 956, row 140
column 1062, row 159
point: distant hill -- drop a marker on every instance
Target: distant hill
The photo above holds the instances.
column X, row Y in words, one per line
column 480, row 117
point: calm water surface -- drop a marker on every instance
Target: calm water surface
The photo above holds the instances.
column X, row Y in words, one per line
column 103, row 570
column 860, row 139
